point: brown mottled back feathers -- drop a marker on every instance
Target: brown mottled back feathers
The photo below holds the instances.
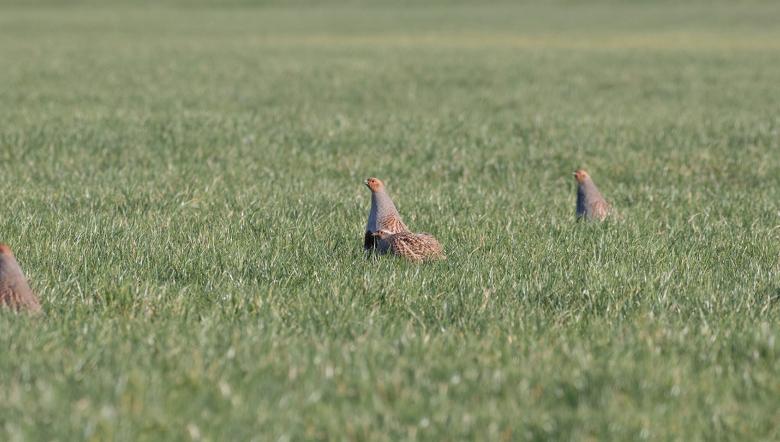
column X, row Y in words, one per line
column 415, row 247
column 393, row 224
column 598, row 210
column 15, row 293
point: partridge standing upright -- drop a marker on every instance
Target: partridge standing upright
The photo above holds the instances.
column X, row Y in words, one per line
column 383, row 216
column 15, row 293
column 590, row 204
column 416, row 247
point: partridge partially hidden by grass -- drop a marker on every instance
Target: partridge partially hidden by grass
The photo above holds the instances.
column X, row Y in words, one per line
column 383, row 216
column 415, row 247
column 590, row 204
column 14, row 290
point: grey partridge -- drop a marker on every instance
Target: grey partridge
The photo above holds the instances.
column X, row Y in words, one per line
column 591, row 205
column 15, row 293
column 382, row 216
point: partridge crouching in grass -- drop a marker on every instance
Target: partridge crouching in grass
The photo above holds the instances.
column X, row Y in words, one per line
column 382, row 216
column 15, row 293
column 416, row 247
column 590, row 204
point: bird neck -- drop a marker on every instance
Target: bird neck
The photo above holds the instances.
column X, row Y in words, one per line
column 382, row 204
column 588, row 190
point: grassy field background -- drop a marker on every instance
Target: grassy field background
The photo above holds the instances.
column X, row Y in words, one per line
column 182, row 184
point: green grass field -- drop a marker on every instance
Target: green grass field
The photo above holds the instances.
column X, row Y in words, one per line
column 183, row 186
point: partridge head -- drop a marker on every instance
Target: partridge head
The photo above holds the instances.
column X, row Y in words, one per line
column 382, row 234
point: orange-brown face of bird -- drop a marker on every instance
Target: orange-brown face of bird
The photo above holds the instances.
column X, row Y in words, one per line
column 382, row 234
column 5, row 250
column 580, row 175
column 374, row 184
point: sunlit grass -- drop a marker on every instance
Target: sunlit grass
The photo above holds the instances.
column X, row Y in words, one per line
column 183, row 189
